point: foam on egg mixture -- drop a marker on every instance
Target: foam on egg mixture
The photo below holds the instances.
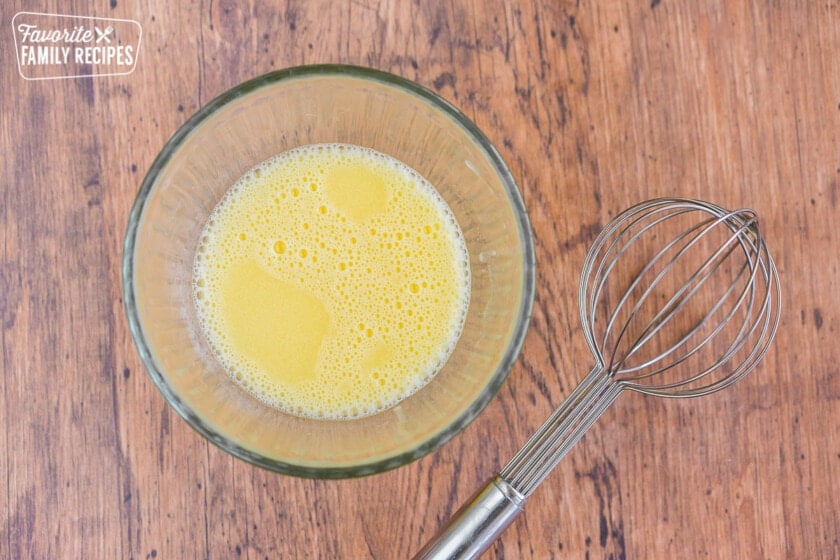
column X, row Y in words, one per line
column 332, row 281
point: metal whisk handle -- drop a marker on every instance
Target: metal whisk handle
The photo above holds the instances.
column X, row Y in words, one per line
column 477, row 524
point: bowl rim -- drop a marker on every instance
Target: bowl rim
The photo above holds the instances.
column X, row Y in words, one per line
column 504, row 365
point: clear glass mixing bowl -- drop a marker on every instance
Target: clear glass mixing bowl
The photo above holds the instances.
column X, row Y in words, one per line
column 274, row 113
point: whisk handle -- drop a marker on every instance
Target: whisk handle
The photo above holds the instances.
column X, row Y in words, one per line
column 477, row 524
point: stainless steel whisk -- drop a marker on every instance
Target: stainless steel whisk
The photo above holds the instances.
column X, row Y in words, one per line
column 701, row 271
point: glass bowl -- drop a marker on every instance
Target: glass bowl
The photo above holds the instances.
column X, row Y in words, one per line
column 277, row 112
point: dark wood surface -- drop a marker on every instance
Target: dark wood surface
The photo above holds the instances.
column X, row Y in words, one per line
column 595, row 106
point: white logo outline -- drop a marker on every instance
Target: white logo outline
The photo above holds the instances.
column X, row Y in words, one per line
column 101, row 34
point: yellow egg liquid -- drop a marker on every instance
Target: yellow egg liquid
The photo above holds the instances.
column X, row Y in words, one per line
column 331, row 281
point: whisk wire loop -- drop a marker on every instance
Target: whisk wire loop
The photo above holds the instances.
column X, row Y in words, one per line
column 680, row 298
column 731, row 318
column 640, row 276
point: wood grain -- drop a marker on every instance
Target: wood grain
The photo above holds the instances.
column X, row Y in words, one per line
column 595, row 106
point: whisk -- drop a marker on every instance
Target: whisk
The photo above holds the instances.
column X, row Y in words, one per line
column 678, row 298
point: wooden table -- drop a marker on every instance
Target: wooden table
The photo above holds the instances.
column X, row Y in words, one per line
column 594, row 106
